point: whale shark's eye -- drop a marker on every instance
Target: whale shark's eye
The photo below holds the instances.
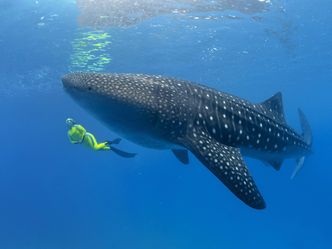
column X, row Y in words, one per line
column 89, row 88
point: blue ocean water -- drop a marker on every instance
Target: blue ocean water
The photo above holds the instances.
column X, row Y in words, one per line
column 54, row 195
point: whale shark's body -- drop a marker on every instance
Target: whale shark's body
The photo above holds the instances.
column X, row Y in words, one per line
column 218, row 128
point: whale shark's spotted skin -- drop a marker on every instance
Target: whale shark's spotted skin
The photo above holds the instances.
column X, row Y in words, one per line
column 216, row 127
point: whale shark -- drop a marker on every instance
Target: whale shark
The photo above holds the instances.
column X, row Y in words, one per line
column 220, row 129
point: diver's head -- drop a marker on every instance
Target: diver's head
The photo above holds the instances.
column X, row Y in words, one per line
column 70, row 122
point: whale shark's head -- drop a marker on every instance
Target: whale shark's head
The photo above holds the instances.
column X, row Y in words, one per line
column 118, row 89
column 85, row 89
column 84, row 84
column 115, row 99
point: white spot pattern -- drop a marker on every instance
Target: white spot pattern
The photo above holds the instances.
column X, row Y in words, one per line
column 174, row 106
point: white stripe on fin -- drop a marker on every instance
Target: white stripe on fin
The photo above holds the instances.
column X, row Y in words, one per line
column 306, row 129
column 307, row 137
column 299, row 166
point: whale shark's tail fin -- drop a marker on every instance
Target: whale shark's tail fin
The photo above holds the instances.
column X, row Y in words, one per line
column 307, row 137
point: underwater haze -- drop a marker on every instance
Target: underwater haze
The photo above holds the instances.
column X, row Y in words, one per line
column 56, row 195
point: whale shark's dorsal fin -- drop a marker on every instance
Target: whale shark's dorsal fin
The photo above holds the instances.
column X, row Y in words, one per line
column 275, row 107
column 226, row 163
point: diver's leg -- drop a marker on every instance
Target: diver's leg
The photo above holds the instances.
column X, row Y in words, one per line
column 91, row 142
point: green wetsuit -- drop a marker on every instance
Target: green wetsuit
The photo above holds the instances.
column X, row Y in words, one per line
column 78, row 135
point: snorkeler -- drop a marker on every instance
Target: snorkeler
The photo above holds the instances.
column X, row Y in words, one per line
column 78, row 135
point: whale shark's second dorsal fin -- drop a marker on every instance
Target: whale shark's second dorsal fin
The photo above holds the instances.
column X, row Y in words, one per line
column 276, row 164
column 274, row 107
column 226, row 163
column 181, row 155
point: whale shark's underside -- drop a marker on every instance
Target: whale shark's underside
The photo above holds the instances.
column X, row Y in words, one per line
column 218, row 128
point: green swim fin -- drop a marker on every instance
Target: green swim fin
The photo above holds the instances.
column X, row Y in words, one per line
column 115, row 141
column 123, row 153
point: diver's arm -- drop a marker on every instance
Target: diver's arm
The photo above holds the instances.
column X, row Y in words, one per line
column 70, row 138
column 91, row 142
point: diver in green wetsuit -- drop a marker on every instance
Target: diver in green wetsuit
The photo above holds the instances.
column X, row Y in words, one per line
column 78, row 135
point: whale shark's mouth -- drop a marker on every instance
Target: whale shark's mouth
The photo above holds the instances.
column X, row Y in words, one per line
column 75, row 81
column 74, row 86
column 66, row 81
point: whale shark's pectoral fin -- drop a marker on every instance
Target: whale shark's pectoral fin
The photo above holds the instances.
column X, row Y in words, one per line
column 226, row 163
column 181, row 155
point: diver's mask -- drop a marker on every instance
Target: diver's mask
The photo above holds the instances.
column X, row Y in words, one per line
column 70, row 122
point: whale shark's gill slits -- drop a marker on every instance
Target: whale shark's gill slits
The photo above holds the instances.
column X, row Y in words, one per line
column 201, row 110
column 210, row 117
column 212, row 124
column 174, row 110
column 218, row 117
column 226, row 163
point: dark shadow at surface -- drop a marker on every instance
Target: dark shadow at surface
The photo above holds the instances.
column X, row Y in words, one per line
column 107, row 13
